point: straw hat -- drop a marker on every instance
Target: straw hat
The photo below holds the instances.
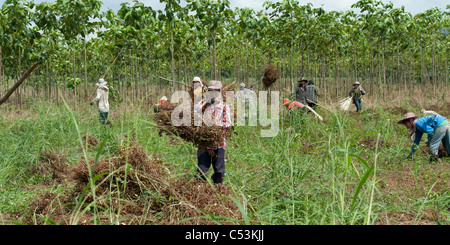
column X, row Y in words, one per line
column 356, row 83
column 196, row 79
column 408, row 116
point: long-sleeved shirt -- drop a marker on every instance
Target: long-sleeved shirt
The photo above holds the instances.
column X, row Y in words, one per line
column 295, row 104
column 426, row 125
column 356, row 93
column 311, row 92
column 300, row 94
column 219, row 112
column 102, row 99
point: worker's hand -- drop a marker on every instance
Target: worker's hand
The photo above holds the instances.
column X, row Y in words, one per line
column 422, row 111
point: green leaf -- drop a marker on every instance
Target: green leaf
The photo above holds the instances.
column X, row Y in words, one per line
column 360, row 185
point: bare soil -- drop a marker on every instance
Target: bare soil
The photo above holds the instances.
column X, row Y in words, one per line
column 409, row 183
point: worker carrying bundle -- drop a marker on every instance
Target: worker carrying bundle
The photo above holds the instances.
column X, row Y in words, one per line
column 436, row 127
column 216, row 112
column 355, row 94
column 102, row 101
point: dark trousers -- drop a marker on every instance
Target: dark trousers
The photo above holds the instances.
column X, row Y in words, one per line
column 357, row 104
column 103, row 116
column 205, row 160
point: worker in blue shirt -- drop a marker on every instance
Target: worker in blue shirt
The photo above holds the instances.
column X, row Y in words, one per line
column 436, row 127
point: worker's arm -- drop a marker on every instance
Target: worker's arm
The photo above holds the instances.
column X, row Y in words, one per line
column 198, row 106
column 351, row 92
column 97, row 98
column 226, row 117
column 416, row 142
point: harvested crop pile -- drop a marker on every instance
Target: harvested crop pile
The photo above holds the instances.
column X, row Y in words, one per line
column 91, row 140
column 52, row 164
column 202, row 136
column 271, row 75
column 131, row 187
column 225, row 89
column 143, row 169
column 194, row 196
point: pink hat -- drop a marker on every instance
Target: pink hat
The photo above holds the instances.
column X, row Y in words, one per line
column 408, row 116
column 214, row 84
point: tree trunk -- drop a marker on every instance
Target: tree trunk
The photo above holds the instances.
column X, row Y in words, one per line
column 18, row 83
column 74, row 75
column 185, row 73
column 85, row 70
column 214, row 75
column 173, row 59
column 0, row 65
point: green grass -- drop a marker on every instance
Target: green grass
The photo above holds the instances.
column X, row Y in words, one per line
column 311, row 173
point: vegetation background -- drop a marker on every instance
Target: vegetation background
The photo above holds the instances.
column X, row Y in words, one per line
column 59, row 166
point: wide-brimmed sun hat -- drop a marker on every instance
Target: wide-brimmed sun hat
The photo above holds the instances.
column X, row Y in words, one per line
column 101, row 82
column 408, row 116
column 214, row 84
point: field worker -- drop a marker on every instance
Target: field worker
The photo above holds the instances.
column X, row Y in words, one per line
column 197, row 90
column 311, row 92
column 246, row 97
column 292, row 104
column 161, row 102
column 436, row 127
column 102, row 101
column 300, row 91
column 213, row 108
column 356, row 93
